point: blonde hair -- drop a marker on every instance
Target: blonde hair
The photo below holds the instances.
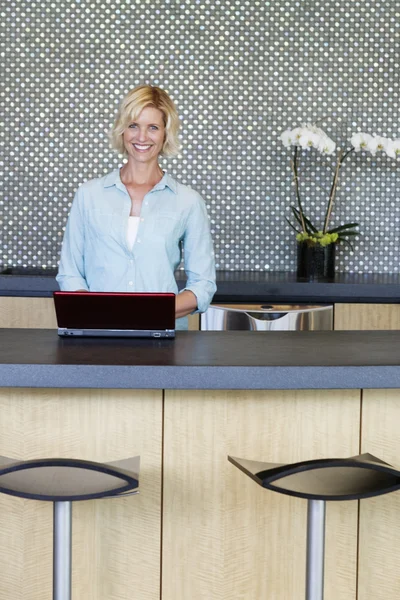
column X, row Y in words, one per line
column 131, row 106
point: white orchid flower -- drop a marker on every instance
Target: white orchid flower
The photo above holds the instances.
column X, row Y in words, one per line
column 317, row 130
column 326, row 145
column 309, row 139
column 360, row 141
column 376, row 144
column 309, row 136
column 297, row 133
column 287, row 138
column 393, row 148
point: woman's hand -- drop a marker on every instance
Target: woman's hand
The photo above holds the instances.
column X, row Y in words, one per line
column 185, row 303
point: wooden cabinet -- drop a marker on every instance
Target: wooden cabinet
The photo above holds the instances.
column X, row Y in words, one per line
column 199, row 527
column 116, row 541
column 27, row 313
column 366, row 316
column 379, row 556
column 39, row 313
column 224, row 536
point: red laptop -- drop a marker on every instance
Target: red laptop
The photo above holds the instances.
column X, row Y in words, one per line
column 109, row 314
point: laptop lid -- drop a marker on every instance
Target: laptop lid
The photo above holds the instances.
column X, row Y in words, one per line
column 115, row 314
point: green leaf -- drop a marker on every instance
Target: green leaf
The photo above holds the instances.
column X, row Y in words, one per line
column 343, row 227
column 344, row 233
column 309, row 226
column 346, row 242
column 292, row 226
column 296, row 214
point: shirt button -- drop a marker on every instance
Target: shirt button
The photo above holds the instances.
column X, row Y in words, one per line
column 131, row 283
column 131, row 261
column 139, row 241
column 146, row 203
column 142, row 219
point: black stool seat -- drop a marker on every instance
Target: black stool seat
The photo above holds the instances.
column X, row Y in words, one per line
column 330, row 479
column 63, row 481
column 68, row 479
column 318, row 481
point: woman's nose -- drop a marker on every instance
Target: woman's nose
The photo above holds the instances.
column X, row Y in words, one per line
column 142, row 134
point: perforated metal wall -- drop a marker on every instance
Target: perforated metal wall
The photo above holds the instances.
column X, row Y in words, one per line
column 240, row 71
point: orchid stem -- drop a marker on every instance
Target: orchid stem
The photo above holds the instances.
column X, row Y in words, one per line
column 347, row 153
column 296, row 182
column 332, row 195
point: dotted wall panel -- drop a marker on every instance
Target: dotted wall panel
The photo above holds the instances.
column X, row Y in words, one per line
column 240, row 72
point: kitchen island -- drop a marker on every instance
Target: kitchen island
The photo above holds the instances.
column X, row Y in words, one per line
column 203, row 360
column 199, row 528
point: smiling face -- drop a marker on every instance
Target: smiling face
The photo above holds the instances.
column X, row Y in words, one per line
column 144, row 137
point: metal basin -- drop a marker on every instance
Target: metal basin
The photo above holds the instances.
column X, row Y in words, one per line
column 267, row 317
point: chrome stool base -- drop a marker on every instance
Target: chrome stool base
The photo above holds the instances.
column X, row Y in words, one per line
column 315, row 562
column 319, row 481
column 63, row 481
column 62, row 550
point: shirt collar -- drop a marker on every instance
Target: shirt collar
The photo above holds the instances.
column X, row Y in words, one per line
column 166, row 181
column 114, row 178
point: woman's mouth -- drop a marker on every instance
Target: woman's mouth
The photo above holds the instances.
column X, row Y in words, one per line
column 142, row 147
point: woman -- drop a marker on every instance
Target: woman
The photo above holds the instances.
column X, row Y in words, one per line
column 126, row 231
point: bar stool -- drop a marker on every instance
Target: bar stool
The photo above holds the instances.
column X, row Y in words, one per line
column 319, row 481
column 63, row 481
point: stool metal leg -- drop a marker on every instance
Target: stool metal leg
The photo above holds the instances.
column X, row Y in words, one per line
column 315, row 550
column 62, row 545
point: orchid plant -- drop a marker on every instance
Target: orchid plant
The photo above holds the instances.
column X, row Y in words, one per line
column 312, row 137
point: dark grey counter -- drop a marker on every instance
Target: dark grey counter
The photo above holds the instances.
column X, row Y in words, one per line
column 203, row 360
column 249, row 286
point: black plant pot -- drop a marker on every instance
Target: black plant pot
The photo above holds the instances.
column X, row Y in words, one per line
column 315, row 262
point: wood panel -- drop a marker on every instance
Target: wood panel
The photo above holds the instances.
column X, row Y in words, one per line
column 116, row 542
column 194, row 322
column 379, row 565
column 224, row 537
column 30, row 313
column 367, row 316
column 39, row 313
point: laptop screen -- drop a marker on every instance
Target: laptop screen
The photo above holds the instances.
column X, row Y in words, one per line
column 115, row 311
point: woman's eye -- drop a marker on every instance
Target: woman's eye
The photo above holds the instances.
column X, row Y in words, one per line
column 154, row 127
column 132, row 125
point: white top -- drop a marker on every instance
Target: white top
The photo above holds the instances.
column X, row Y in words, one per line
column 131, row 232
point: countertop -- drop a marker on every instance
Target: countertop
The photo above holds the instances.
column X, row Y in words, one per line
column 245, row 286
column 203, row 360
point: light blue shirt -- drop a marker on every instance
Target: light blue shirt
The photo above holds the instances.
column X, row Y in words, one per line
column 95, row 254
